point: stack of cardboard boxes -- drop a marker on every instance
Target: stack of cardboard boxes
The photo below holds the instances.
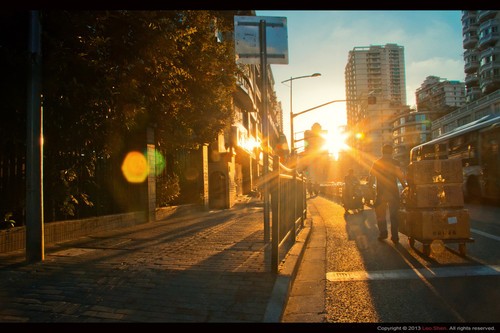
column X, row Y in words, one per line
column 433, row 207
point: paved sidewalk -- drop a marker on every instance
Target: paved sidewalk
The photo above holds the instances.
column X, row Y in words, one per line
column 306, row 301
column 195, row 267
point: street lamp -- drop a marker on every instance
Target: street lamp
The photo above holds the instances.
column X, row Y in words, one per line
column 292, row 144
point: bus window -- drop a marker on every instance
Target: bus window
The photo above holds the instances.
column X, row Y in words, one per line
column 491, row 162
column 434, row 152
column 415, row 154
column 441, row 151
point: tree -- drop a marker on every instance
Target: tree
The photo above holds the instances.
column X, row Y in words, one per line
column 13, row 92
column 107, row 75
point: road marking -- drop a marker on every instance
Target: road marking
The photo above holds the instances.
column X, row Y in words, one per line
column 482, row 233
column 401, row 274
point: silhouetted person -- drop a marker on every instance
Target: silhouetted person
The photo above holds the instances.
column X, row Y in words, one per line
column 386, row 171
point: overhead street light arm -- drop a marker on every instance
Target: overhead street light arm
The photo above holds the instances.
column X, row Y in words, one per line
column 301, row 77
column 371, row 100
column 317, row 107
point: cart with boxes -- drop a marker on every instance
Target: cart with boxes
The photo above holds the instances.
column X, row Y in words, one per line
column 433, row 206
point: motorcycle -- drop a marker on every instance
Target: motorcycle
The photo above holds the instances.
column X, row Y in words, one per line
column 353, row 197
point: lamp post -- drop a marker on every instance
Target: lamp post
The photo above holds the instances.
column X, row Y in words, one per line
column 292, row 144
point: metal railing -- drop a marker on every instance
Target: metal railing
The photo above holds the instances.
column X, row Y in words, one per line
column 288, row 209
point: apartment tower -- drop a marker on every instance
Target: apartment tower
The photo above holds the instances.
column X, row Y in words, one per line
column 440, row 95
column 481, row 41
column 375, row 70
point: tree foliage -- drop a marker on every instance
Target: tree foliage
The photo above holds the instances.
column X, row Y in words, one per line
column 132, row 67
column 14, row 27
column 110, row 74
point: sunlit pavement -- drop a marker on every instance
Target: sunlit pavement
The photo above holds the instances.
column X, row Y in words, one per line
column 351, row 279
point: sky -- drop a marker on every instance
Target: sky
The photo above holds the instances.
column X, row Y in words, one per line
column 319, row 41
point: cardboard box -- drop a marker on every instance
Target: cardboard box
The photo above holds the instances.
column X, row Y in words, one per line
column 435, row 224
column 439, row 195
column 435, row 171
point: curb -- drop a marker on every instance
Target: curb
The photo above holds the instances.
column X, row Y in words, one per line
column 286, row 276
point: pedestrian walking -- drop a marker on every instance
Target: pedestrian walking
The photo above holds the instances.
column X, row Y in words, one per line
column 386, row 172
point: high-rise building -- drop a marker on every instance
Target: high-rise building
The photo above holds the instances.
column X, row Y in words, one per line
column 376, row 70
column 440, row 95
column 481, row 41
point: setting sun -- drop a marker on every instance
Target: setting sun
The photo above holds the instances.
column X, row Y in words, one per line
column 336, row 142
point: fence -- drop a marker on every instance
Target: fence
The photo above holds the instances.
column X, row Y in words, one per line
column 288, row 209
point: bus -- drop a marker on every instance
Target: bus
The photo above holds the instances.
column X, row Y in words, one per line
column 477, row 145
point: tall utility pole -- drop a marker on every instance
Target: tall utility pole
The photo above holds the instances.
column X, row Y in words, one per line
column 34, row 153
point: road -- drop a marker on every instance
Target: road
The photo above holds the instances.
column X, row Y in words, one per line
column 372, row 281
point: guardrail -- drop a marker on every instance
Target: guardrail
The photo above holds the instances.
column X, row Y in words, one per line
column 288, row 209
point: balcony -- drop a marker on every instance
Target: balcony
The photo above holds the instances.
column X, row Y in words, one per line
column 467, row 14
column 473, row 93
column 471, row 80
column 488, row 63
column 491, row 51
column 469, row 41
column 488, row 40
column 469, row 28
column 471, row 67
column 490, row 83
column 483, row 15
column 486, row 69
column 471, row 62
column 488, row 37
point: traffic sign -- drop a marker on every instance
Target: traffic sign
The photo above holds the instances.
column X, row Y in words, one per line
column 247, row 40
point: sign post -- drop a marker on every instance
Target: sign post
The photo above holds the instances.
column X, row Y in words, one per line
column 252, row 47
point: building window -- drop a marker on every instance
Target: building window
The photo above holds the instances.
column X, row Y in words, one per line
column 420, row 117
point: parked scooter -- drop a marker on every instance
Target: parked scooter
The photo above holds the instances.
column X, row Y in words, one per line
column 369, row 191
column 353, row 197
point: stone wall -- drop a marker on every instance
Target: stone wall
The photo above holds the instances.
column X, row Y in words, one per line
column 55, row 232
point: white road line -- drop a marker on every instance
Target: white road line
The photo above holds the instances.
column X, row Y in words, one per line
column 482, row 233
column 400, row 274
